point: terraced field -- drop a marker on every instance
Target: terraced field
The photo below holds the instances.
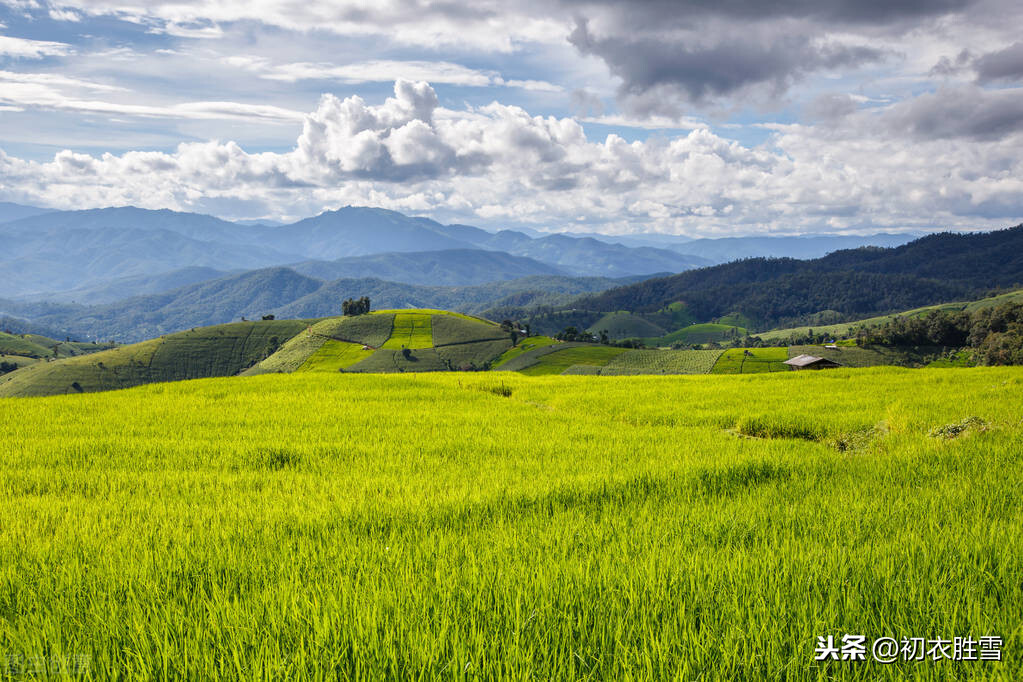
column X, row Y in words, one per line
column 410, row 330
column 752, row 361
column 524, row 346
column 221, row 350
column 558, row 362
column 662, row 362
column 335, row 355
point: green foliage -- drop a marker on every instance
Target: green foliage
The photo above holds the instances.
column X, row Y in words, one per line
column 315, row 526
column 622, row 325
column 698, row 334
column 751, row 361
column 557, row 362
column 353, row 306
column 854, row 283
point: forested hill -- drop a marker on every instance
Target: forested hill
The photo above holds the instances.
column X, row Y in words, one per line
column 863, row 281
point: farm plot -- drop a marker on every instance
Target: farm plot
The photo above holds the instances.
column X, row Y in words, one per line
column 662, row 362
column 558, row 362
column 411, row 330
column 524, row 346
column 335, row 355
column 751, row 361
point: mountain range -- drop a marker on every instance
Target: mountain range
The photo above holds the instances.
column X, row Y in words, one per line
column 840, row 286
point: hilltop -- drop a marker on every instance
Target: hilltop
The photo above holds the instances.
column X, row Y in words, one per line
column 419, row 340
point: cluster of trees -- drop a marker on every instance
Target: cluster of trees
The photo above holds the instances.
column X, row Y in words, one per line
column 574, row 334
column 355, row 307
column 994, row 334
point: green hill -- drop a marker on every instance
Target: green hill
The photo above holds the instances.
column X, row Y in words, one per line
column 709, row 332
column 625, row 325
column 222, row 350
column 845, row 329
column 418, row 340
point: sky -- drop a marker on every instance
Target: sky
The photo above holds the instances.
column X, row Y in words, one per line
column 693, row 117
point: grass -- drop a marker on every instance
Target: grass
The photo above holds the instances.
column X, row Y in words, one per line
column 663, row 362
column 411, row 330
column 313, row 526
column 558, row 362
column 736, row 361
column 524, row 346
column 334, row 355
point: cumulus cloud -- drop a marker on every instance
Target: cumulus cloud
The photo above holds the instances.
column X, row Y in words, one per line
column 499, row 164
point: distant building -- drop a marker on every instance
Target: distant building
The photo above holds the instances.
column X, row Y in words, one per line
column 811, row 362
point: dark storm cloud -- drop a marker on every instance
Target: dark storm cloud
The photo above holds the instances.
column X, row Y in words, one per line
column 660, row 13
column 1004, row 65
column 959, row 112
column 731, row 64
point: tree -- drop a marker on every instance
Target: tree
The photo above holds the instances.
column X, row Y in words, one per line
column 355, row 307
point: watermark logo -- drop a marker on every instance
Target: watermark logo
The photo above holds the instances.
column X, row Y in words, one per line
column 849, row 647
column 12, row 665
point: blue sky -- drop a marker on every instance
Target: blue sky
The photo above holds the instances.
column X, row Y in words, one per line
column 705, row 119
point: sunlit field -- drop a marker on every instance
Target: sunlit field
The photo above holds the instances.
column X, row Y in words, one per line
column 497, row 526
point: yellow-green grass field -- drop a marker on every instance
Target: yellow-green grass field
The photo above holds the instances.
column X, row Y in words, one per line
column 411, row 330
column 736, row 361
column 335, row 355
column 558, row 361
column 494, row 526
column 524, row 346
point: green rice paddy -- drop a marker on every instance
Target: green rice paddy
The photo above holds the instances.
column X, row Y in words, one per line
column 321, row 526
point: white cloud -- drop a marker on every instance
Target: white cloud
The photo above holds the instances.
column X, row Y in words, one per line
column 59, row 14
column 382, row 71
column 24, row 48
column 500, row 164
column 485, row 24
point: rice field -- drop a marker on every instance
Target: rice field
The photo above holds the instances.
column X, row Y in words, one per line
column 334, row 355
column 662, row 362
column 752, row 361
column 557, row 362
column 411, row 330
column 317, row 526
column 524, row 346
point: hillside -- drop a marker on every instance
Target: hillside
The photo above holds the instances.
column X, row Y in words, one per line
column 844, row 329
column 221, row 350
column 854, row 283
column 384, row 341
column 420, row 340
column 286, row 294
column 454, row 267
